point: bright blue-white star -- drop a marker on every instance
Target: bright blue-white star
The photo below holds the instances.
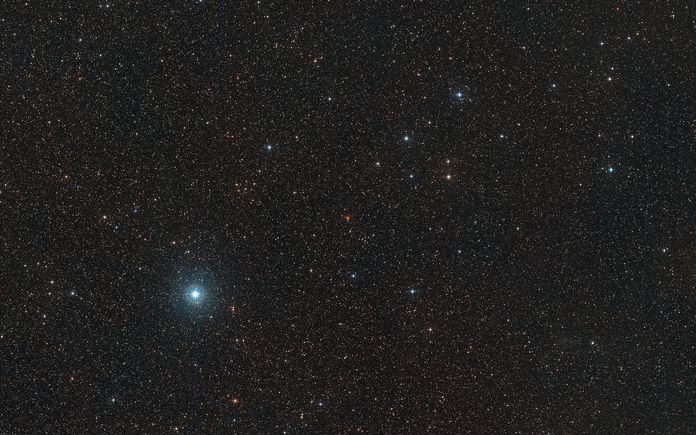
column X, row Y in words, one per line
column 459, row 95
column 195, row 294
column 412, row 291
column 406, row 138
column 269, row 147
column 610, row 169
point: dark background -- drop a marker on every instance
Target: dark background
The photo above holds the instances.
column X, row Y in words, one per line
column 553, row 273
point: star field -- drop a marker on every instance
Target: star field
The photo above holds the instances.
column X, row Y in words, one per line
column 348, row 217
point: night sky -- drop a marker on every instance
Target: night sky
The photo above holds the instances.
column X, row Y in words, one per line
column 348, row 216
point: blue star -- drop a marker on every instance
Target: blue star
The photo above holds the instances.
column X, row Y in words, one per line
column 412, row 291
column 269, row 147
column 411, row 175
column 459, row 95
column 610, row 169
column 406, row 138
column 195, row 294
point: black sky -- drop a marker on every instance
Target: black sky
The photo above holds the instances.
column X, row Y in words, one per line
column 425, row 217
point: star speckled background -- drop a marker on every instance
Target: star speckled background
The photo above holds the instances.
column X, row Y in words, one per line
column 348, row 216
